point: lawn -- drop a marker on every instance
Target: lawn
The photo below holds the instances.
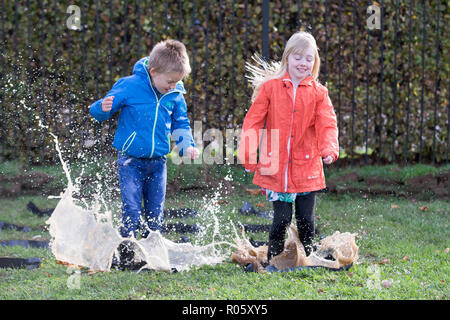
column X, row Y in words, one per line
column 403, row 251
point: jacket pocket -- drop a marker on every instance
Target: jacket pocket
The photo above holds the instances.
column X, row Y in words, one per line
column 307, row 165
column 126, row 145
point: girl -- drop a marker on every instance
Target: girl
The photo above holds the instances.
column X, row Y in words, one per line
column 293, row 124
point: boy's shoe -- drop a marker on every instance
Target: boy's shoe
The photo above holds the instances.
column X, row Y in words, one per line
column 115, row 262
column 126, row 258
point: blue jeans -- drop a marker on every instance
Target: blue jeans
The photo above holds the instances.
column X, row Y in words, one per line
column 142, row 179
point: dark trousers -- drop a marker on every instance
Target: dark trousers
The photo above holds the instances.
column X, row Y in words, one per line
column 304, row 214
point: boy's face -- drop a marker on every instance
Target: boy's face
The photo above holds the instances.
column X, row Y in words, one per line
column 164, row 82
column 301, row 65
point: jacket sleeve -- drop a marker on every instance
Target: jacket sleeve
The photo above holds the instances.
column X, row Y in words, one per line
column 119, row 92
column 253, row 123
column 180, row 128
column 326, row 127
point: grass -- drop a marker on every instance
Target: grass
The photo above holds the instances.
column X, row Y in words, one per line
column 387, row 228
column 401, row 240
column 393, row 172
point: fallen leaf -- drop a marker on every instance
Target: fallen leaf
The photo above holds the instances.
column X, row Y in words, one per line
column 62, row 262
column 424, row 208
column 260, row 204
column 385, row 261
column 350, row 274
column 92, row 271
column 47, row 274
column 253, row 192
column 74, row 266
column 394, row 206
column 386, row 283
column 320, row 291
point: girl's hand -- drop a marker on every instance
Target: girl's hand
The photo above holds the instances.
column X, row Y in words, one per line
column 193, row 152
column 328, row 159
column 107, row 104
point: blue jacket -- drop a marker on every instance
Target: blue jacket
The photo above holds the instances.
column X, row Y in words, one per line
column 146, row 123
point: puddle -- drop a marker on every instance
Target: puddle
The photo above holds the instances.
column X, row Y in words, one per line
column 27, row 263
column 256, row 227
column 248, row 209
column 10, row 226
column 85, row 235
column 25, row 243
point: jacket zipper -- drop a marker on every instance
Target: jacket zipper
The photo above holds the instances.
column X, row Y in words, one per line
column 290, row 133
column 156, row 112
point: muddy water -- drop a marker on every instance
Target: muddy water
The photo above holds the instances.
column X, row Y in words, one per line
column 85, row 235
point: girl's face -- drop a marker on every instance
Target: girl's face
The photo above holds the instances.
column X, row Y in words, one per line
column 164, row 82
column 300, row 65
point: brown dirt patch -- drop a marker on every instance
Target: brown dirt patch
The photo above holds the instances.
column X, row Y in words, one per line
column 26, row 183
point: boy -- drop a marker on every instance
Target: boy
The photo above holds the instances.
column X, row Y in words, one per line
column 152, row 109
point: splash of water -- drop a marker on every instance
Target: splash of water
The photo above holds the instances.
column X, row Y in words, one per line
column 84, row 236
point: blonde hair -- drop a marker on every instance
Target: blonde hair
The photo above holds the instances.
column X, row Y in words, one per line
column 264, row 71
column 169, row 56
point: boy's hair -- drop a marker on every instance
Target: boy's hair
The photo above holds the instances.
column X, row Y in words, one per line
column 169, row 56
column 264, row 71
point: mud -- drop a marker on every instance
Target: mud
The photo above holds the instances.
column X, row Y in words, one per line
column 428, row 186
column 24, row 184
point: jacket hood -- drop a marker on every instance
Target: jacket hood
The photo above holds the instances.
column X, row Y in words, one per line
column 141, row 69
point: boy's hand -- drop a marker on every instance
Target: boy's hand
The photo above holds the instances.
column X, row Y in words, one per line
column 107, row 104
column 192, row 152
column 328, row 159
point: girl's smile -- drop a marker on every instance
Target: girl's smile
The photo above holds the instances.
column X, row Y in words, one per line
column 300, row 65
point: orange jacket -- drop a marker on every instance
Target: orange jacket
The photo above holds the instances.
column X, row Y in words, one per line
column 296, row 136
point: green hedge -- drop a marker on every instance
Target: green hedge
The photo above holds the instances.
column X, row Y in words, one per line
column 218, row 93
